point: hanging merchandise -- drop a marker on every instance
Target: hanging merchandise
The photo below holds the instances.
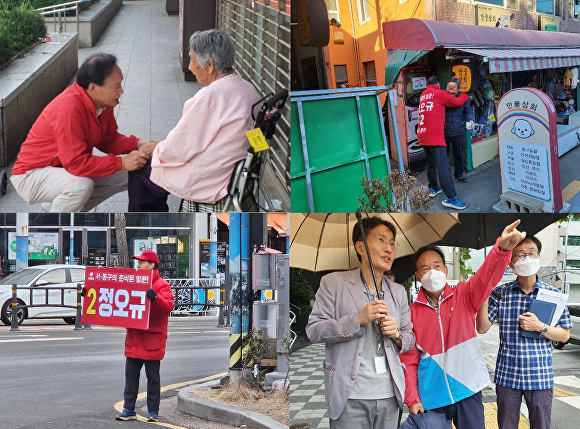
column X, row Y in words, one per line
column 574, row 80
column 567, row 78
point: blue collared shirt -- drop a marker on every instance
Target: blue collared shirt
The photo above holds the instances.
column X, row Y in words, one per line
column 522, row 363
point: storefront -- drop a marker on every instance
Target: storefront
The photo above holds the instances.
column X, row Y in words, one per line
column 489, row 62
column 176, row 237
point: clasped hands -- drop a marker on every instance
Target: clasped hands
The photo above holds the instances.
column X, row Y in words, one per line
column 378, row 310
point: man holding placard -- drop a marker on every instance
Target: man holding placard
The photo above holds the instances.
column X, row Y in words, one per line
column 524, row 360
column 147, row 347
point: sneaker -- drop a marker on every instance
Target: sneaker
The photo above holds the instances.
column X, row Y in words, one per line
column 461, row 179
column 454, row 203
column 127, row 415
column 46, row 207
column 434, row 192
column 152, row 417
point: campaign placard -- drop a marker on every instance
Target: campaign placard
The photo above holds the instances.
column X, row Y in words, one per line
column 116, row 297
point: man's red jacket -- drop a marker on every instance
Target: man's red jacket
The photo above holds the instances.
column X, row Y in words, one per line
column 431, row 128
column 150, row 344
column 65, row 134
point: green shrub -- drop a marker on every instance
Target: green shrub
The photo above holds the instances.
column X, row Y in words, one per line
column 300, row 291
column 20, row 28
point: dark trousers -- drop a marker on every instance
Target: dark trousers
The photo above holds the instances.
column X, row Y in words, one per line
column 144, row 195
column 539, row 404
column 456, row 143
column 132, row 373
column 467, row 413
column 438, row 162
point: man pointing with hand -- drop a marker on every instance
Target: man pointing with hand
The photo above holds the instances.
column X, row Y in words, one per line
column 364, row 331
column 446, row 371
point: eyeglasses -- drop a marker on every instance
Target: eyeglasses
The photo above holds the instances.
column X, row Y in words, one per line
column 522, row 255
column 383, row 242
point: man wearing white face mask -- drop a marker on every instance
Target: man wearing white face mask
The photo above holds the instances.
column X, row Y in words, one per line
column 524, row 364
column 446, row 372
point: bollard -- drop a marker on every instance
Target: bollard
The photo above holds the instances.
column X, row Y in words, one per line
column 14, row 304
column 78, row 324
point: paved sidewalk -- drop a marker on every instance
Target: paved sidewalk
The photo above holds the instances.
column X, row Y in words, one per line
column 308, row 405
column 146, row 42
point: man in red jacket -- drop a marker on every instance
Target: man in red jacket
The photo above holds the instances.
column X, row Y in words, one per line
column 147, row 347
column 56, row 165
column 431, row 136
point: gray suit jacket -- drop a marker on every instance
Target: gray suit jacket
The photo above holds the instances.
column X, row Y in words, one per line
column 334, row 321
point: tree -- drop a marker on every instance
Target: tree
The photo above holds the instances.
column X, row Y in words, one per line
column 121, row 235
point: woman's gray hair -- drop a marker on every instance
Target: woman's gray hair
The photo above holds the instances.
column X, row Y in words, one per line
column 215, row 44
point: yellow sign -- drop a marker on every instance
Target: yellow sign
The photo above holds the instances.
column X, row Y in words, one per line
column 257, row 140
column 489, row 16
column 463, row 73
column 549, row 23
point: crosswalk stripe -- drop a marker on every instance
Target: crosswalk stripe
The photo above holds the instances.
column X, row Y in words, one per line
column 571, row 400
column 27, row 340
column 568, row 380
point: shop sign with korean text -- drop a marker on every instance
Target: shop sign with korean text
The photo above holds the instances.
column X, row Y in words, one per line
column 116, row 297
column 549, row 23
column 490, row 16
column 528, row 147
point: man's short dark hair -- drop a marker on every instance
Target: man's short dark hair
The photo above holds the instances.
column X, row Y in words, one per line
column 533, row 239
column 429, row 248
column 455, row 81
column 433, row 80
column 96, row 69
column 368, row 224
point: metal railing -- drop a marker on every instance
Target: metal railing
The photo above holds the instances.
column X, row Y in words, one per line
column 196, row 296
column 59, row 10
column 16, row 306
column 293, row 335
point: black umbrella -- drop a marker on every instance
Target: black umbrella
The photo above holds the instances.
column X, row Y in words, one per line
column 428, row 420
column 478, row 230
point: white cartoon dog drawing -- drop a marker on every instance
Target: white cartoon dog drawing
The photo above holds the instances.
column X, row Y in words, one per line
column 522, row 129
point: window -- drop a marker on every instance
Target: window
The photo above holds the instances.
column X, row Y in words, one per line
column 574, row 6
column 333, row 10
column 573, row 263
column 56, row 277
column 77, row 275
column 574, row 240
column 370, row 73
column 511, row 4
column 559, row 8
column 545, row 6
column 341, row 76
column 363, row 10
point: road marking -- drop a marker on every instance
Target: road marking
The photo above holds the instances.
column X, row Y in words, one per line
column 568, row 380
column 119, row 405
column 28, row 340
column 571, row 400
column 490, row 415
column 561, row 392
column 23, row 335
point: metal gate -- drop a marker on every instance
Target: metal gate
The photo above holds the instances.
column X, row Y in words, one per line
column 261, row 32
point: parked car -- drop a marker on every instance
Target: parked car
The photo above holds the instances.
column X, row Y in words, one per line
column 38, row 278
column 574, row 310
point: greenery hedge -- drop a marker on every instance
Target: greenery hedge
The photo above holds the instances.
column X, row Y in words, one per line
column 20, row 27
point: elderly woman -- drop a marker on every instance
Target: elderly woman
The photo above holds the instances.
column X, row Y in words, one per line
column 196, row 160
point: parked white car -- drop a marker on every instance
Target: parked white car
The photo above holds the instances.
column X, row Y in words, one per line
column 38, row 278
column 574, row 310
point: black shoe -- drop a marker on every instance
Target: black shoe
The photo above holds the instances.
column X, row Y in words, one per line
column 461, row 179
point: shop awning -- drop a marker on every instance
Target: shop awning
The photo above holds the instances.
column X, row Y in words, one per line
column 398, row 59
column 421, row 34
column 507, row 49
column 509, row 60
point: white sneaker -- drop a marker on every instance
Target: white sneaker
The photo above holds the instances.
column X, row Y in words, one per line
column 46, row 207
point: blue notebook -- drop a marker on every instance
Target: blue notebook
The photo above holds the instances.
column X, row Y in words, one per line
column 544, row 311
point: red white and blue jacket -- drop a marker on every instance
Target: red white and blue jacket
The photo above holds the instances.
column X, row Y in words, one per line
column 447, row 365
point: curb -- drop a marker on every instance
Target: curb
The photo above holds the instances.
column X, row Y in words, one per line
column 218, row 412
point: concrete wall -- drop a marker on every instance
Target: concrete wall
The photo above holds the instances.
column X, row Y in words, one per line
column 92, row 22
column 28, row 84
